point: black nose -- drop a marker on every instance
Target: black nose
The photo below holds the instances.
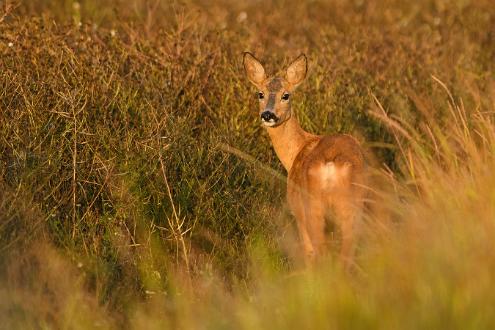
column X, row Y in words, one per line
column 267, row 115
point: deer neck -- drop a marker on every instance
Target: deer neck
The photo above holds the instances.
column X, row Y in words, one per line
column 288, row 139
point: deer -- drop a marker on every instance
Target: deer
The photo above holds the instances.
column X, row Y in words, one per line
column 326, row 173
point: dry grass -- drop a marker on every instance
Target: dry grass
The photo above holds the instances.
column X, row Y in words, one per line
column 137, row 188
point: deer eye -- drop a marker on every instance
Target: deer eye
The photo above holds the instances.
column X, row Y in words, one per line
column 285, row 97
column 261, row 95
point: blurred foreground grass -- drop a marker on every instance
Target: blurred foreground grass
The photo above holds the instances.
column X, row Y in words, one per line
column 106, row 103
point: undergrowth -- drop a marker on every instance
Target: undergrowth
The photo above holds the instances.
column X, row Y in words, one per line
column 137, row 188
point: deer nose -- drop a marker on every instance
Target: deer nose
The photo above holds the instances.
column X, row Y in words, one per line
column 268, row 115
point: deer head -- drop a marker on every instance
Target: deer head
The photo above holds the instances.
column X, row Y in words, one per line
column 274, row 92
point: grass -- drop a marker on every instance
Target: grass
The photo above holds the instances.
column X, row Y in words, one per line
column 138, row 190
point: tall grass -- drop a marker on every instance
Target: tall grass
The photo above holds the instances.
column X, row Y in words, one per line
column 137, row 188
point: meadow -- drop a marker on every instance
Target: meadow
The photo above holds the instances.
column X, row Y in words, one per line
column 139, row 190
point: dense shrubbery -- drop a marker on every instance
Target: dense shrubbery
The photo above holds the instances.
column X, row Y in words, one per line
column 131, row 158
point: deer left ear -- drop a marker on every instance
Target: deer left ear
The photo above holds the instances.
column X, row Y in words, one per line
column 254, row 69
column 296, row 72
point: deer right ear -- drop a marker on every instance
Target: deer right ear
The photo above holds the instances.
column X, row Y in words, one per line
column 296, row 72
column 254, row 69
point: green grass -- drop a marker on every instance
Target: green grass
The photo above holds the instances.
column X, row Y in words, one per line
column 105, row 103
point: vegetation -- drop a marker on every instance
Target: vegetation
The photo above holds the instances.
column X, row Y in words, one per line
column 138, row 190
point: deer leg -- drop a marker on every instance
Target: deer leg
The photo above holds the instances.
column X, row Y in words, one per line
column 349, row 218
column 348, row 245
column 315, row 223
column 298, row 209
column 309, row 250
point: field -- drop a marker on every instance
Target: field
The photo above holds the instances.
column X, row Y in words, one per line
column 138, row 189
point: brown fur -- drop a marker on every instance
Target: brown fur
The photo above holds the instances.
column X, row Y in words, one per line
column 325, row 172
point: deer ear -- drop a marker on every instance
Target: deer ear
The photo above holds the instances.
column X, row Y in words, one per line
column 254, row 69
column 296, row 72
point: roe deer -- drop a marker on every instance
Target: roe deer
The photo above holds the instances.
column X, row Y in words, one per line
column 324, row 172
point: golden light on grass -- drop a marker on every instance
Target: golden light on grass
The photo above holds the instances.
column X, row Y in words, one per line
column 137, row 189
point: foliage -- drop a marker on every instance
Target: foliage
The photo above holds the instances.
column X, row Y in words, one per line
column 137, row 187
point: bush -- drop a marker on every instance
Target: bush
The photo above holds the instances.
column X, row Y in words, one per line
column 134, row 167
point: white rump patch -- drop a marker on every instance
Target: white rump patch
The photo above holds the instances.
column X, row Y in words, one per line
column 333, row 175
column 328, row 171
